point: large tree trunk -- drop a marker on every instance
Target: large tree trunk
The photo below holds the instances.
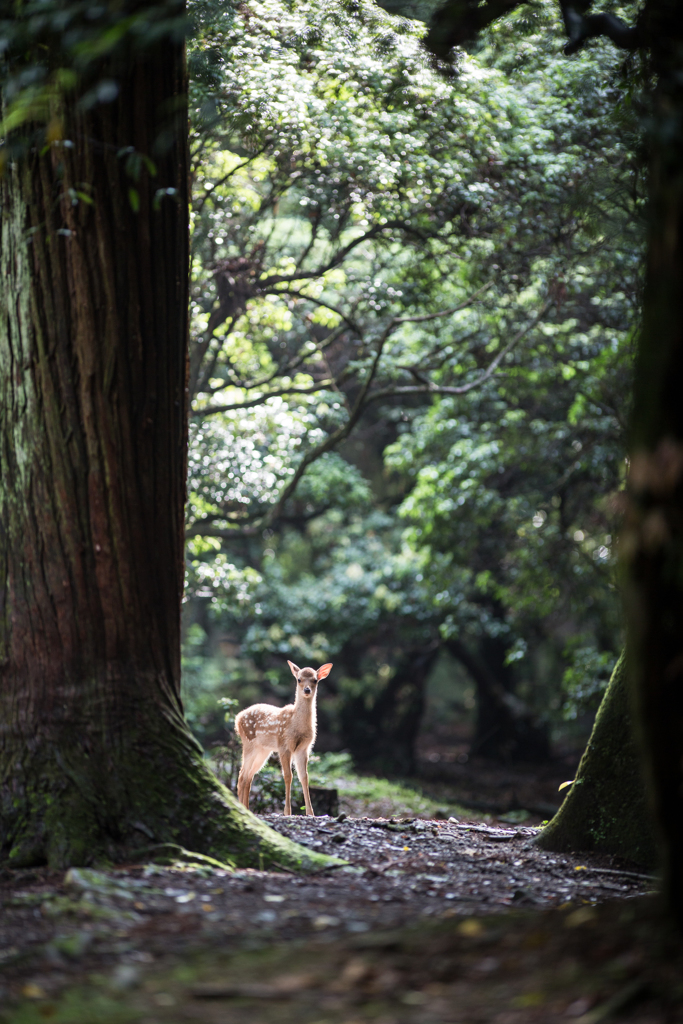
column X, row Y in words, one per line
column 606, row 809
column 95, row 757
column 652, row 541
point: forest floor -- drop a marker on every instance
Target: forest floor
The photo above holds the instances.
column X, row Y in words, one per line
column 429, row 921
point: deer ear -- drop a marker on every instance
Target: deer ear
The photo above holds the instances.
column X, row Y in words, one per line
column 295, row 669
column 324, row 671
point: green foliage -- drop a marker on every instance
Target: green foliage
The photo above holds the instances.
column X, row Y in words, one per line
column 237, row 466
column 586, row 678
column 202, row 680
column 461, row 256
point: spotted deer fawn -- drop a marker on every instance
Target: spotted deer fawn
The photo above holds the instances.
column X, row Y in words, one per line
column 291, row 731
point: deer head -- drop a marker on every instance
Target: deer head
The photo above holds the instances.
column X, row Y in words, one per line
column 307, row 679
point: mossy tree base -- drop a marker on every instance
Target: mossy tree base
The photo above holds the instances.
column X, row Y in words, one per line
column 78, row 803
column 606, row 809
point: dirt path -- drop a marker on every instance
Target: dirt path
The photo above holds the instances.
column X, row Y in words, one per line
column 114, row 931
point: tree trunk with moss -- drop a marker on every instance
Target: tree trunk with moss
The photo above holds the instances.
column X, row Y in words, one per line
column 95, row 756
column 606, row 809
column 652, row 540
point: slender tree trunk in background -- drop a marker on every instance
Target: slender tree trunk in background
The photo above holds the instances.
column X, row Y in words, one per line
column 95, row 757
column 607, row 808
column 380, row 729
column 494, row 734
column 505, row 728
column 652, row 540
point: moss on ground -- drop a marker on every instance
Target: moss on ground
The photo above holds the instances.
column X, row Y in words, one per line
column 361, row 795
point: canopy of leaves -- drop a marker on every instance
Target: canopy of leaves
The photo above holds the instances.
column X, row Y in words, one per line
column 414, row 299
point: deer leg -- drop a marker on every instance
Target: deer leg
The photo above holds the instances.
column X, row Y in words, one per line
column 286, row 762
column 244, row 782
column 240, row 783
column 253, row 762
column 240, row 787
column 301, row 762
column 241, row 777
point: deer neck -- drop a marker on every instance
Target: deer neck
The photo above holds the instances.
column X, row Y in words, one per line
column 304, row 710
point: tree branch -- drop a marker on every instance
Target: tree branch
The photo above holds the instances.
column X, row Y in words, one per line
column 422, row 318
column 297, row 293
column 211, row 410
column 333, row 440
column 199, row 377
column 457, row 22
column 360, row 404
column 208, row 192
column 268, row 282
column 460, row 21
column 436, row 389
column 580, row 27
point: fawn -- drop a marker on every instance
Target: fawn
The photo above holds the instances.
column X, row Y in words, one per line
column 291, row 730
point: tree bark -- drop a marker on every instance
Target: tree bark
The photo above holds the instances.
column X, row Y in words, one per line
column 95, row 756
column 607, row 808
column 652, row 540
